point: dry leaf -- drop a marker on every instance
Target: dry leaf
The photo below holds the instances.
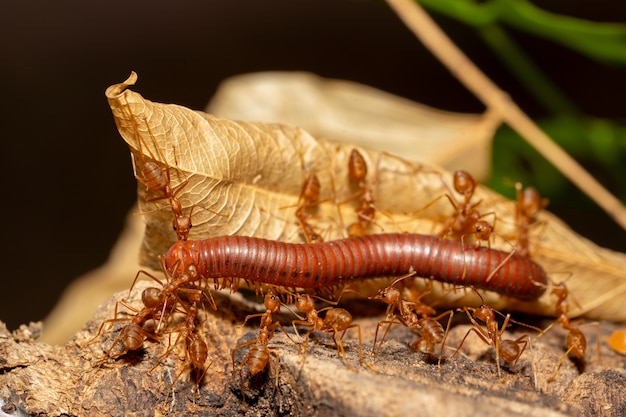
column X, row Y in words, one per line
column 353, row 113
column 252, row 173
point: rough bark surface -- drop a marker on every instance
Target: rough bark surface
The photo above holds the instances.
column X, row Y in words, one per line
column 74, row 380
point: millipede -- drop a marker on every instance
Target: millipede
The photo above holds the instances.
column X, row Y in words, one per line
column 326, row 264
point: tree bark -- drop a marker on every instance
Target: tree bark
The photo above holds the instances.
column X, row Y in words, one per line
column 74, row 380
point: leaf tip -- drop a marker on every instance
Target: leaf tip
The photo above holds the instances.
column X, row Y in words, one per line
column 116, row 89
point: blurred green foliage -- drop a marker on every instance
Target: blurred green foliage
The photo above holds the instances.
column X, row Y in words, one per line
column 598, row 144
column 601, row 41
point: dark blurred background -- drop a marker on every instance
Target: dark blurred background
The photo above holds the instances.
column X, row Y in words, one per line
column 67, row 181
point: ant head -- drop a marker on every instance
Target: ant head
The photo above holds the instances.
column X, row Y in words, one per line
column 304, row 302
column 182, row 226
column 388, row 295
column 272, row 302
column 482, row 229
column 484, row 313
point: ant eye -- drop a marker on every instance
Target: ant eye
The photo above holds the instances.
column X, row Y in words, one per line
column 174, row 227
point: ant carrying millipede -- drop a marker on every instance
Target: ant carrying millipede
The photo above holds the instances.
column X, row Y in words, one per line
column 336, row 321
column 466, row 220
column 416, row 316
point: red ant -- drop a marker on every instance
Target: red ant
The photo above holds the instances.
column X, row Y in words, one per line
column 309, row 197
column 415, row 316
column 365, row 210
column 466, row 219
column 196, row 349
column 508, row 350
column 411, row 294
column 181, row 223
column 181, row 282
column 158, row 180
column 258, row 355
column 336, row 321
column 529, row 204
column 132, row 335
column 576, row 342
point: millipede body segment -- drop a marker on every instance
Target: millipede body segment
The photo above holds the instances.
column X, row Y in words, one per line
column 326, row 264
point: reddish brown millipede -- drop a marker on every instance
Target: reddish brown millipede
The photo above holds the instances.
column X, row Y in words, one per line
column 331, row 263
